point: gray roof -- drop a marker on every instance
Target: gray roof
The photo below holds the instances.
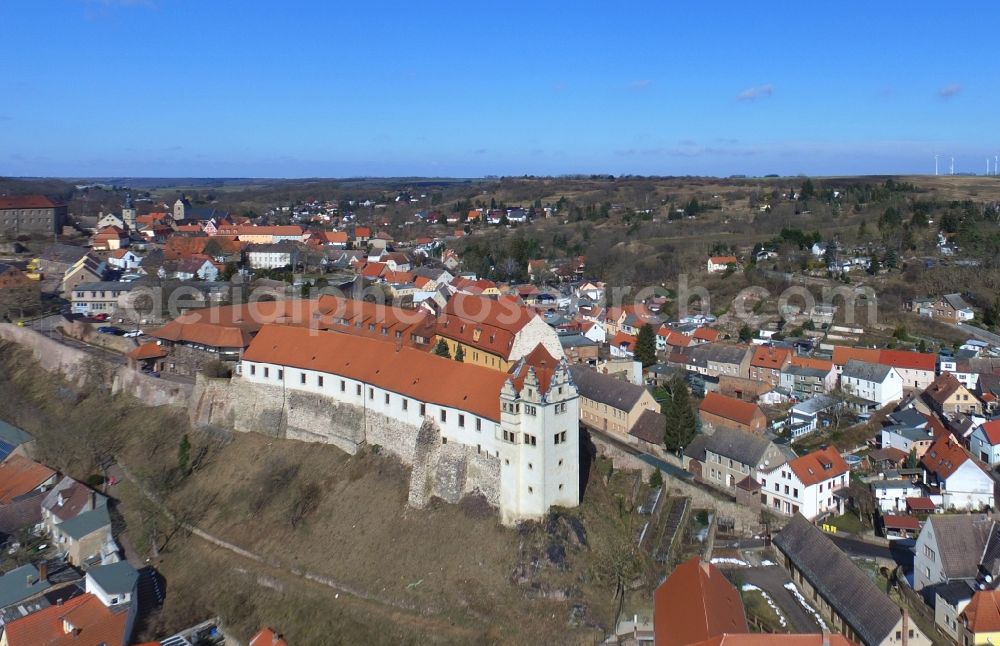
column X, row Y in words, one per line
column 805, row 371
column 909, row 417
column 575, row 340
column 746, row 448
column 910, row 433
column 116, row 578
column 649, row 427
column 86, row 523
column 865, row 371
column 719, row 353
column 13, row 436
column 63, row 253
column 605, row 389
column 955, row 592
column 814, row 405
column 961, row 540
column 848, row 590
column 956, row 301
column 893, row 484
column 15, row 585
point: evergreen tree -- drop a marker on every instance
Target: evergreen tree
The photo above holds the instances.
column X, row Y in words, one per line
column 808, row 190
column 891, row 259
column 874, row 266
column 830, row 254
column 645, row 346
column 184, row 455
column 682, row 424
column 746, row 333
column 441, row 349
column 460, row 354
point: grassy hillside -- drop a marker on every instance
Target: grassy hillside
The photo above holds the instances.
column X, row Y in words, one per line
column 448, row 574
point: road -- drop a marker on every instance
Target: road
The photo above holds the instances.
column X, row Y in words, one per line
column 978, row 333
column 853, row 547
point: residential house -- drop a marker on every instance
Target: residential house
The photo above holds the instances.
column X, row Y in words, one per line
column 115, row 584
column 719, row 411
column 948, row 396
column 806, row 377
column 803, row 417
column 984, row 443
column 916, row 369
column 979, row 622
column 89, row 268
column 726, row 457
column 722, row 359
column 768, row 362
column 908, row 439
column 846, row 596
column 842, row 355
column 57, row 259
column 622, row 346
column 949, row 600
column 494, row 333
column 609, row 404
column 85, row 539
column 891, row 494
column 18, row 292
column 962, row 482
column 109, row 239
column 21, row 584
column 720, row 263
column 874, row 384
column 951, row 308
column 103, row 297
column 950, row 548
column 82, row 620
column 110, row 220
column 272, row 256
column 806, row 485
column 671, row 340
column 22, row 214
column 20, row 475
column 124, row 259
column 578, row 348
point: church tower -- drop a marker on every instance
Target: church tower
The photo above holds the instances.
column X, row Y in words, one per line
column 128, row 213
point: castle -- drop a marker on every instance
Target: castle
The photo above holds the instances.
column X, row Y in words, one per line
column 513, row 436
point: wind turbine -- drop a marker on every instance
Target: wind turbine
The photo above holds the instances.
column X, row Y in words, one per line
column 936, row 163
column 987, row 166
column 952, row 165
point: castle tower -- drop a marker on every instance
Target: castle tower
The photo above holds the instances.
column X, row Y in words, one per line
column 539, row 427
column 179, row 207
column 128, row 213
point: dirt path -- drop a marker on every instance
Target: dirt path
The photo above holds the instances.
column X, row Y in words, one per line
column 394, row 611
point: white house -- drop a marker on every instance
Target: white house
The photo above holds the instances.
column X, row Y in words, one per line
column 124, row 259
column 522, row 426
column 806, row 485
column 950, row 547
column 876, row 384
column 891, row 495
column 963, row 483
column 272, row 256
column 595, row 332
column 984, row 443
column 720, row 263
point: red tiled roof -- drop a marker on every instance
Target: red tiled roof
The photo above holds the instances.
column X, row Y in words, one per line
column 673, row 338
column 818, row 466
column 20, row 475
column 482, row 323
column 842, row 354
column 150, row 350
column 93, row 624
column 771, row 357
column 706, row 334
column 232, row 326
column 809, row 362
column 944, row 457
column 26, row 202
column 943, row 387
column 992, row 431
column 729, row 408
column 267, row 637
column 696, row 603
column 624, row 340
column 982, row 615
column 908, row 360
column 403, row 370
column 921, row 503
column 899, row 521
column 722, row 260
column 764, row 639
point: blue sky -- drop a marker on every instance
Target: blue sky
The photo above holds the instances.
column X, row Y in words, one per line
column 326, row 88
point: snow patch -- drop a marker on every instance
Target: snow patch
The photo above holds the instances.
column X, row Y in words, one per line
column 766, row 563
column 748, row 587
column 721, row 560
column 805, row 604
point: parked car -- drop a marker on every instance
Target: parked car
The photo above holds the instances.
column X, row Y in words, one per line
column 132, row 333
column 101, row 317
column 110, row 329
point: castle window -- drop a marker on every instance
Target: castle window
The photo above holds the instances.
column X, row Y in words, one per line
column 531, row 490
column 560, row 462
column 387, row 399
column 531, row 466
column 530, row 410
column 444, row 415
column 302, row 378
column 358, row 389
column 444, row 440
column 406, row 403
column 281, row 373
column 343, row 385
column 560, row 487
column 423, row 409
column 319, row 380
column 530, row 440
column 253, row 369
column 371, row 393
column 479, row 424
column 506, row 462
column 461, row 421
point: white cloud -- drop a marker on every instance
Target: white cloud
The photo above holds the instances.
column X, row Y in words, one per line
column 756, row 92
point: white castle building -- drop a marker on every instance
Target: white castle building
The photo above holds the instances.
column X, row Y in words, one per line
column 518, row 429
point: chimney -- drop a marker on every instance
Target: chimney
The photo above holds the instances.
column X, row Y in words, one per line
column 43, row 571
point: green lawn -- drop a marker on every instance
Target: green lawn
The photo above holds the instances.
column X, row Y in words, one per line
column 848, row 523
